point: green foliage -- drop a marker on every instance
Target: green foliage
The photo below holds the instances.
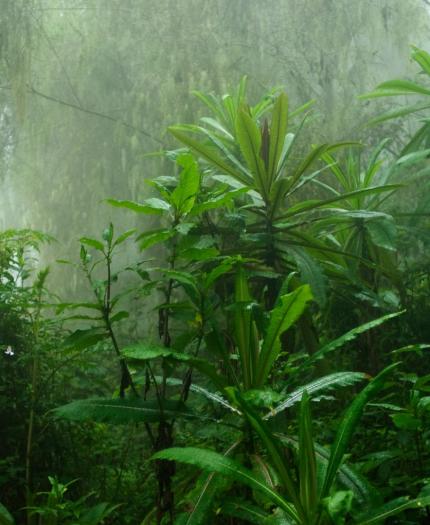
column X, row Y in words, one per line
column 57, row 509
column 252, row 248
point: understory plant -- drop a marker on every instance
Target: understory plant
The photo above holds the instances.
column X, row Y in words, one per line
column 248, row 262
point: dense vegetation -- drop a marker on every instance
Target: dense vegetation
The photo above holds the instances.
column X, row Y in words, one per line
column 286, row 381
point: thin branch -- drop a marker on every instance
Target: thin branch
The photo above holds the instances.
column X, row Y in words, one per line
column 34, row 91
column 57, row 56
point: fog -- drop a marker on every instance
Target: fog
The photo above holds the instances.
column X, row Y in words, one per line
column 88, row 88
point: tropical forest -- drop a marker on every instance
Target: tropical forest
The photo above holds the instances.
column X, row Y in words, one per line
column 214, row 262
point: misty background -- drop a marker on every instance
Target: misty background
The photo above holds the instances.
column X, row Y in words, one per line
column 88, row 88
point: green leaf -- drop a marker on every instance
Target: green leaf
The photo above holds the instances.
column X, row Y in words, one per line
column 328, row 382
column 121, row 411
column 273, row 447
column 282, row 317
column 218, row 201
column 392, row 508
column 148, row 208
column 210, row 155
column 309, row 205
column 346, row 338
column 348, row 425
column 383, row 233
column 406, row 421
column 307, row 461
column 244, row 511
column 198, row 515
column 5, row 517
column 147, row 351
column 245, row 329
column 403, row 87
column 249, row 138
column 398, row 113
column 148, row 239
column 94, row 243
column 422, row 58
column 82, row 339
column 278, row 131
column 97, row 513
column 184, row 194
column 363, row 491
column 119, row 316
column 124, row 236
column 310, row 273
column 214, row 462
column 215, row 397
column 338, row 506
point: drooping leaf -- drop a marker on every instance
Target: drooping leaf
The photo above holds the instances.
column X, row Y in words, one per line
column 199, row 512
column 345, row 338
column 82, row 339
column 6, row 517
column 210, row 155
column 150, row 207
column 391, row 508
column 122, row 411
column 148, row 351
column 396, row 87
column 328, row 382
column 94, row 243
column 150, row 238
column 214, row 462
column 244, row 511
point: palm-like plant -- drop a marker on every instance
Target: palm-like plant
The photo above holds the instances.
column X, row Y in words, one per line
column 239, row 146
column 397, row 88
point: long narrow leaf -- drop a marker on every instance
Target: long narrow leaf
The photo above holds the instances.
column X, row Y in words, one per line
column 273, row 448
column 282, row 317
column 392, row 508
column 121, row 411
column 278, row 130
column 307, row 460
column 213, row 462
column 249, row 138
column 335, row 380
column 346, row 338
column 210, row 155
column 348, row 425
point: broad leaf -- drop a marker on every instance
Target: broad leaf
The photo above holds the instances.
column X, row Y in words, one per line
column 121, row 411
column 151, row 207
